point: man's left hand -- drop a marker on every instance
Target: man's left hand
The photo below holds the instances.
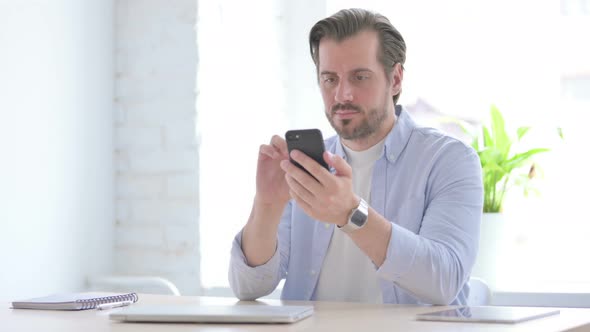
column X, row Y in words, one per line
column 329, row 198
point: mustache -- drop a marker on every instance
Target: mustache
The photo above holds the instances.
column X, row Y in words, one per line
column 346, row 107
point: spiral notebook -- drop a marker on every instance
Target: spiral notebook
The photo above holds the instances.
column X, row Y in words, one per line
column 73, row 301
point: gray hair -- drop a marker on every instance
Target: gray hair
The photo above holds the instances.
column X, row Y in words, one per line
column 348, row 22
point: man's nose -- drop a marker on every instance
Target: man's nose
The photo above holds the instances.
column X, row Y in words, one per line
column 343, row 93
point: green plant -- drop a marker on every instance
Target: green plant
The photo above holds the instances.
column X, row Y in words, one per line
column 498, row 162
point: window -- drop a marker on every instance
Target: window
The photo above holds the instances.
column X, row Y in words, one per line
column 241, row 104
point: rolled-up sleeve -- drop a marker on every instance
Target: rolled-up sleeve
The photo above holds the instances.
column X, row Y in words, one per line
column 250, row 283
column 434, row 264
column 247, row 282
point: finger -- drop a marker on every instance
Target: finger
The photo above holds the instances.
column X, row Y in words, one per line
column 303, row 178
column 270, row 151
column 301, row 203
column 299, row 190
column 313, row 167
column 280, row 144
column 340, row 165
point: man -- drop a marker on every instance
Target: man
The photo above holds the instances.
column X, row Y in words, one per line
column 397, row 221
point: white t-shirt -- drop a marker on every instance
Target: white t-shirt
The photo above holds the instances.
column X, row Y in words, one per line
column 348, row 274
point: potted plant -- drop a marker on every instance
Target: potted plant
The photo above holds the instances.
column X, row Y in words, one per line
column 499, row 162
column 502, row 167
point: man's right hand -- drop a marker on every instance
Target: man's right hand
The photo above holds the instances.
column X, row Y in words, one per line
column 259, row 237
column 271, row 186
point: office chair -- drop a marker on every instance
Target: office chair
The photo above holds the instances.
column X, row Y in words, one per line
column 137, row 284
column 479, row 292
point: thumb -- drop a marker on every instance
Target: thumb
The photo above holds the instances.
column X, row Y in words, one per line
column 340, row 165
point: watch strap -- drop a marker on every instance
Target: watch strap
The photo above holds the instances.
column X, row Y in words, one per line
column 360, row 214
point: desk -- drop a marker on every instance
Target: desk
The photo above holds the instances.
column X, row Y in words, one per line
column 328, row 316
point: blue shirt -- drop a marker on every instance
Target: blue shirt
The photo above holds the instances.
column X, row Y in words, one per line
column 429, row 186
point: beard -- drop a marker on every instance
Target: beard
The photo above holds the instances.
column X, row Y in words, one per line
column 369, row 125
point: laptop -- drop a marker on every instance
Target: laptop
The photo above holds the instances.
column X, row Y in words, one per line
column 489, row 314
column 212, row 314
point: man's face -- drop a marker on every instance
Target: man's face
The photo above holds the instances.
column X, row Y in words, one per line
column 357, row 95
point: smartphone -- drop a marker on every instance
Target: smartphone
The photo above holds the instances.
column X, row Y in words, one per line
column 308, row 141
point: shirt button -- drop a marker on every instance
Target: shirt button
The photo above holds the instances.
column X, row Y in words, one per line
column 312, row 272
column 392, row 157
column 327, row 226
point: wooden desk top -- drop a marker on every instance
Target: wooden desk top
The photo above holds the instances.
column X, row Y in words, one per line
column 328, row 316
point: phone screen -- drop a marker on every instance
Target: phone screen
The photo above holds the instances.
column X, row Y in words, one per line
column 308, row 141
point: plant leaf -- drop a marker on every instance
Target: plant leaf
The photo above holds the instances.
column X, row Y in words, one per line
column 487, row 138
column 522, row 131
column 518, row 159
column 501, row 139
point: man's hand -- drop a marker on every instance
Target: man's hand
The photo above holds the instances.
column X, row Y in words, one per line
column 330, row 198
column 271, row 187
column 272, row 194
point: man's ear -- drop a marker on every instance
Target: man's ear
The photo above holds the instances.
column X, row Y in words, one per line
column 397, row 76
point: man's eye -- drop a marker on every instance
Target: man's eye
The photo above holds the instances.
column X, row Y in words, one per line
column 361, row 77
column 329, row 80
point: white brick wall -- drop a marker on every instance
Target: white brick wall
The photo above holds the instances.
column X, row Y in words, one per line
column 155, row 155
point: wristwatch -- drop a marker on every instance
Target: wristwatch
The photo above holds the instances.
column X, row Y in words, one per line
column 357, row 218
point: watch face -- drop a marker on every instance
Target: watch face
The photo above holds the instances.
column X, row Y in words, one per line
column 358, row 218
